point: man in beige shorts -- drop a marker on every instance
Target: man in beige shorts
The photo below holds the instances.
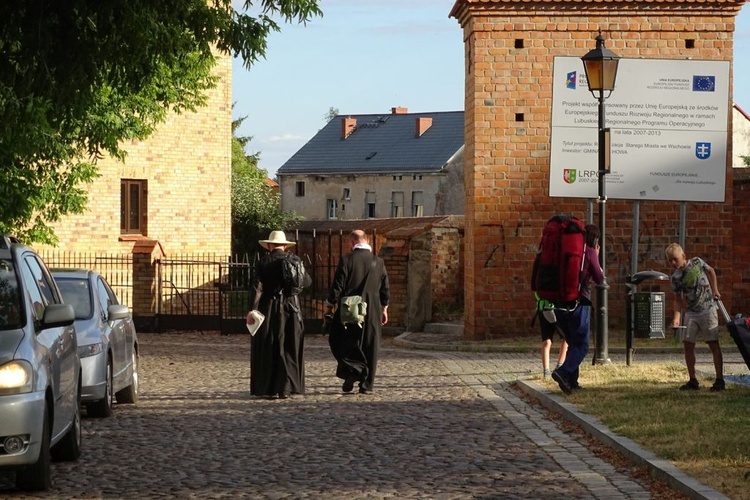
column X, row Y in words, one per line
column 696, row 290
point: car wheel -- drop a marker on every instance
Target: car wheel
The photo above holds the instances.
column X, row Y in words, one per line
column 130, row 393
column 38, row 476
column 69, row 447
column 103, row 407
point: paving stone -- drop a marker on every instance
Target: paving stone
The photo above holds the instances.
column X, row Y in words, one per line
column 441, row 425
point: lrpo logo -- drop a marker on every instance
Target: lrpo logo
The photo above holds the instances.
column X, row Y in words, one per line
column 702, row 150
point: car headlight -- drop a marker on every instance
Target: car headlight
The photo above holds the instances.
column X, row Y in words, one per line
column 16, row 377
column 84, row 351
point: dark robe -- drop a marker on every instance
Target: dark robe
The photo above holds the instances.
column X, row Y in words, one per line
column 356, row 349
column 276, row 350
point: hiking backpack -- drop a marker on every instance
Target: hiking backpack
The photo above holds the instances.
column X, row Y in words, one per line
column 556, row 273
column 292, row 275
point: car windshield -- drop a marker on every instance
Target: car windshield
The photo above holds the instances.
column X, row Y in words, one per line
column 75, row 291
column 10, row 300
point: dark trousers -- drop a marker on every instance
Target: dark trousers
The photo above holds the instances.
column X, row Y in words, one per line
column 575, row 326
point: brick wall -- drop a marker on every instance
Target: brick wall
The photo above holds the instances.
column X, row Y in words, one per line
column 395, row 255
column 446, row 269
column 507, row 161
column 187, row 165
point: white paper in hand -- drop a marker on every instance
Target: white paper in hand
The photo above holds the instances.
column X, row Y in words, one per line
column 257, row 318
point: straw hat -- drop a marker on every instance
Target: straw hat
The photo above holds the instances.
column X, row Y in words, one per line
column 276, row 238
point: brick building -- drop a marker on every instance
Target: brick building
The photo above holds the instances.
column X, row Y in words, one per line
column 371, row 166
column 509, row 51
column 171, row 196
column 173, row 188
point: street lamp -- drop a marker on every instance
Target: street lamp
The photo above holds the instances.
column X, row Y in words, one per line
column 600, row 65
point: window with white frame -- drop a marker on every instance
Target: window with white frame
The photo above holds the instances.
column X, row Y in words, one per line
column 397, row 204
column 370, row 204
column 417, row 204
column 347, row 194
column 333, row 206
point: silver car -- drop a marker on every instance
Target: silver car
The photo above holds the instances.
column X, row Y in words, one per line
column 107, row 341
column 40, row 373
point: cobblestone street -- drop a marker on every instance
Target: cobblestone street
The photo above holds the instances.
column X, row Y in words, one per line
column 439, row 425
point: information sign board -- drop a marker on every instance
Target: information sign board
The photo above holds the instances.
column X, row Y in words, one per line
column 668, row 121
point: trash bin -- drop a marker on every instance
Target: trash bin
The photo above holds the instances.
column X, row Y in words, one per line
column 644, row 311
column 648, row 315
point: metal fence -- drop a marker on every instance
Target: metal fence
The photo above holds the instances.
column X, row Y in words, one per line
column 117, row 269
column 204, row 291
column 209, row 291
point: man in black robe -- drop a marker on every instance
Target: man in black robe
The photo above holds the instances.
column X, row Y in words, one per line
column 355, row 346
column 276, row 350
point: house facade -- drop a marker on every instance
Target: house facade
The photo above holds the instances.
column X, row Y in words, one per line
column 740, row 136
column 170, row 197
column 173, row 188
column 378, row 166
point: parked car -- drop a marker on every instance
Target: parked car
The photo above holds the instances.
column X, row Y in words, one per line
column 40, row 372
column 107, row 341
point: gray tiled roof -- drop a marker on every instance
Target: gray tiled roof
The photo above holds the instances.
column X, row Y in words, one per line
column 381, row 143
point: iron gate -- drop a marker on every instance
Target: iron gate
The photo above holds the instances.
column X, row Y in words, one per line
column 204, row 293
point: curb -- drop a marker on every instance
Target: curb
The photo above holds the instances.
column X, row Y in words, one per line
column 658, row 468
column 455, row 344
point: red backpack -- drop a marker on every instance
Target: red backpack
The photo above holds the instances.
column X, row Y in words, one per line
column 556, row 273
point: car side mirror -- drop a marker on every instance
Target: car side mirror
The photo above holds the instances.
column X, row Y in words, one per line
column 56, row 315
column 118, row 311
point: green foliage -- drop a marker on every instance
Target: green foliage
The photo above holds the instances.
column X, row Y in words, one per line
column 332, row 113
column 78, row 79
column 255, row 205
column 746, row 160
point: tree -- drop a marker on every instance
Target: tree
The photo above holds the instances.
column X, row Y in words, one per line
column 255, row 205
column 332, row 113
column 78, row 78
column 746, row 160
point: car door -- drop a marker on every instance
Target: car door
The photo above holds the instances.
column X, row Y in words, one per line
column 114, row 328
column 60, row 342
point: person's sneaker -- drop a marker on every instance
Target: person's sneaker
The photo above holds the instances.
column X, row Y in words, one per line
column 692, row 385
column 547, row 374
column 564, row 386
column 719, row 385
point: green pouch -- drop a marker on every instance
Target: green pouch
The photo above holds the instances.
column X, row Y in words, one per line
column 353, row 310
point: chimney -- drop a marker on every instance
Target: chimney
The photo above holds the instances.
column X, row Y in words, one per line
column 423, row 124
column 348, row 125
column 399, row 111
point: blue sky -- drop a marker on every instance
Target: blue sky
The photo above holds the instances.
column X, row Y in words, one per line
column 367, row 56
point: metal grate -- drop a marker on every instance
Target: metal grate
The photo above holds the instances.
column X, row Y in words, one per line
column 649, row 315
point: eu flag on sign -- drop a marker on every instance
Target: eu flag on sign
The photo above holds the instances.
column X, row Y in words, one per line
column 570, row 80
column 703, row 83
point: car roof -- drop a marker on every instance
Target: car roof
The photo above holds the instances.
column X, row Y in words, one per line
column 65, row 272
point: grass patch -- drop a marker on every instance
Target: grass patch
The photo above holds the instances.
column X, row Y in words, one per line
column 705, row 434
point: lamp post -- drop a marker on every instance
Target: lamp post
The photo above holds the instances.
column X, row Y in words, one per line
column 600, row 65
